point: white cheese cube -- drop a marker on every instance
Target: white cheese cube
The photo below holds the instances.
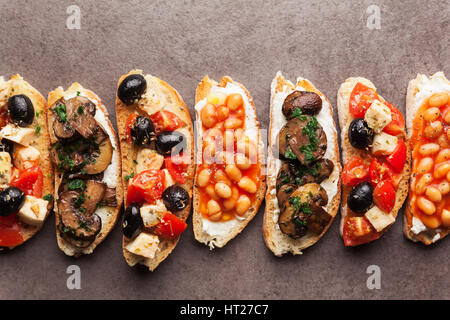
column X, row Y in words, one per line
column 148, row 159
column 144, row 245
column 378, row 116
column 33, row 211
column 379, row 219
column 383, row 144
column 5, row 168
column 168, row 180
column 152, row 213
column 17, row 134
column 24, row 157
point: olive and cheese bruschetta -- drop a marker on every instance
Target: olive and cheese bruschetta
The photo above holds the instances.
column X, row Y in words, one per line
column 377, row 161
column 26, row 186
column 157, row 143
column 427, row 214
column 303, row 176
column 86, row 156
column 230, row 172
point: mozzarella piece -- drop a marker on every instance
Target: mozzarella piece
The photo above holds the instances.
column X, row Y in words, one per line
column 148, row 159
column 378, row 116
column 33, row 211
column 16, row 134
column 168, row 181
column 379, row 219
column 152, row 213
column 383, row 144
column 24, row 155
column 144, row 245
column 5, row 168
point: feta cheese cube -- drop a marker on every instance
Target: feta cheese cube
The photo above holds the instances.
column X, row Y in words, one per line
column 168, row 182
column 379, row 219
column 152, row 213
column 16, row 134
column 148, row 159
column 33, row 211
column 5, row 168
column 383, row 144
column 25, row 157
column 378, row 116
column 144, row 245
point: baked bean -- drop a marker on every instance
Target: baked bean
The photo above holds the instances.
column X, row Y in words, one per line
column 430, row 221
column 426, row 206
column 448, row 132
column 217, row 98
column 222, row 190
column 441, row 170
column 230, row 203
column 203, row 177
column 438, row 99
column 247, row 184
column 220, row 126
column 222, row 113
column 443, row 141
column 431, row 114
column 209, row 153
column 216, row 217
column 445, row 217
column 443, row 155
column 238, row 134
column 448, row 176
column 423, row 182
column 428, row 149
column 233, row 123
column 211, row 192
column 212, row 135
column 433, row 194
column 248, row 148
column 425, row 165
column 228, row 140
column 234, row 101
column 447, row 117
column 213, row 207
column 219, row 175
column 233, row 172
column 242, row 205
column 433, row 130
column 444, row 187
column 208, row 115
column 242, row 162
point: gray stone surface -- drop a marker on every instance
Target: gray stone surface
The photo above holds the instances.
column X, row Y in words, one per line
column 180, row 41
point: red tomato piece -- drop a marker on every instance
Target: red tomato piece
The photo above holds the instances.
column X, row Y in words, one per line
column 9, row 231
column 146, row 186
column 166, row 121
column 355, row 171
column 397, row 158
column 360, row 100
column 397, row 124
column 30, row 181
column 177, row 167
column 384, row 196
column 170, row 226
column 358, row 230
column 129, row 124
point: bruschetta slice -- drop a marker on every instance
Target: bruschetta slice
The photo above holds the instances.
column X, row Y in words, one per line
column 230, row 171
column 157, row 143
column 303, row 176
column 377, row 161
column 26, row 188
column 86, row 156
column 427, row 214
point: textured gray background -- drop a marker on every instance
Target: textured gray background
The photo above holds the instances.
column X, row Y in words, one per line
column 180, row 41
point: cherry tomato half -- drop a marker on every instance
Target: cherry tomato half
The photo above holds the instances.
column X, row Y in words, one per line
column 30, row 181
column 355, row 171
column 384, row 196
column 397, row 158
column 361, row 99
column 166, row 121
column 170, row 226
column 177, row 168
column 358, row 230
column 10, row 231
column 146, row 186
column 397, row 124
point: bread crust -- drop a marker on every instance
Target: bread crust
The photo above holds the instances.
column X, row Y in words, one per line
column 275, row 240
column 176, row 105
column 348, row 151
column 411, row 112
column 17, row 85
column 201, row 93
column 112, row 212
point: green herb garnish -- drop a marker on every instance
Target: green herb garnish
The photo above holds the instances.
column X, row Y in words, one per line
column 48, row 197
column 61, row 111
column 289, row 154
column 38, row 129
column 297, row 113
column 128, row 177
column 76, row 184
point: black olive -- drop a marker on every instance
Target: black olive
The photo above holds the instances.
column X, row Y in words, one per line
column 359, row 134
column 132, row 221
column 6, row 146
column 361, row 197
column 143, row 131
column 166, row 140
column 175, row 198
column 10, row 200
column 21, row 110
column 131, row 88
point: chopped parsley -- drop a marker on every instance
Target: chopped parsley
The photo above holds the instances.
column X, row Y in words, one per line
column 297, row 113
column 128, row 177
column 81, row 199
column 289, row 154
column 80, row 109
column 38, row 129
column 78, row 93
column 38, row 113
column 48, row 197
column 76, row 184
column 61, row 111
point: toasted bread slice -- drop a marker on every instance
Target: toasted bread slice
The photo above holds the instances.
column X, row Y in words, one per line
column 107, row 214
column 419, row 90
column 217, row 234
column 345, row 118
column 159, row 95
column 276, row 241
column 17, row 85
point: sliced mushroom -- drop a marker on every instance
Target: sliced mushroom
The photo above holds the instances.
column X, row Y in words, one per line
column 80, row 114
column 94, row 193
column 76, row 227
column 324, row 169
column 312, row 193
column 109, row 199
column 100, row 160
column 308, row 102
column 284, row 192
column 318, row 220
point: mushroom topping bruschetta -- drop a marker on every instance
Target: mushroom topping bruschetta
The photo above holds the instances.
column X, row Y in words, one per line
column 230, row 176
column 85, row 152
column 377, row 161
column 156, row 139
column 303, row 179
column 26, row 188
column 427, row 215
